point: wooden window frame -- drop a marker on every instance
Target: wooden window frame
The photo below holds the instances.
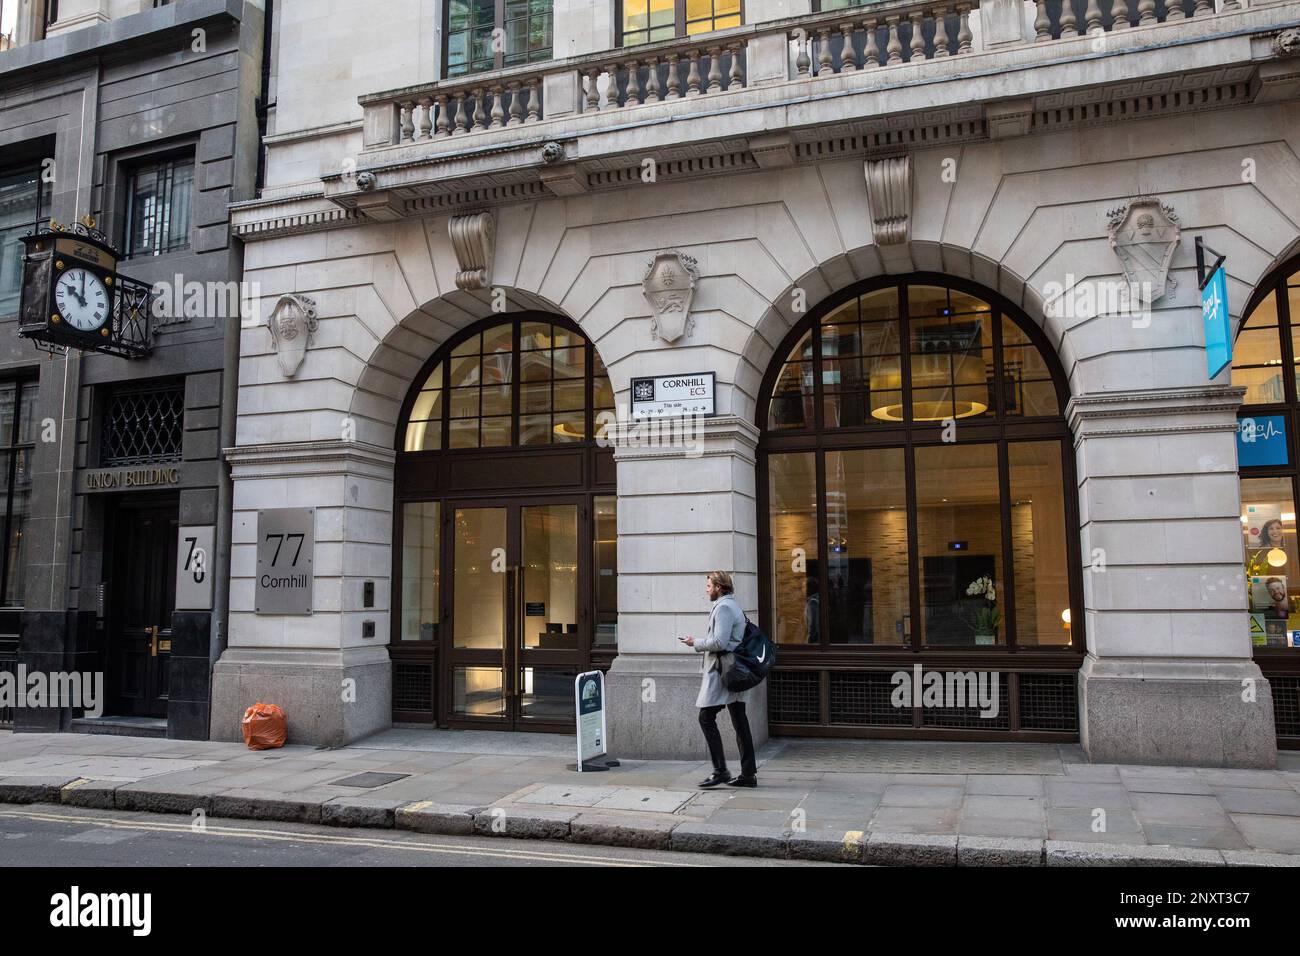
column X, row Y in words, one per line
column 498, row 57
column 1279, row 661
column 679, row 21
column 1000, row 430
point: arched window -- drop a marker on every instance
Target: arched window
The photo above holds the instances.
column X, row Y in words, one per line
column 505, row 574
column 918, row 498
column 1264, row 362
column 474, row 398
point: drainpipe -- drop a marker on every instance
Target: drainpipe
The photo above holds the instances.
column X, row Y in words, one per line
column 263, row 106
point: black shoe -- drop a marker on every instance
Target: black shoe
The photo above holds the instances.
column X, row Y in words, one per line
column 718, row 776
column 745, row 781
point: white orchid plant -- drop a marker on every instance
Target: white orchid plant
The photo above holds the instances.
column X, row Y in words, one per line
column 987, row 618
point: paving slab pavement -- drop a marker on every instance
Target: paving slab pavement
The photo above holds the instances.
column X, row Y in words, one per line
column 887, row 802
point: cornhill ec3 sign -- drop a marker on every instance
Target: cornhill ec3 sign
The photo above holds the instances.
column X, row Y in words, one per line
column 74, row 297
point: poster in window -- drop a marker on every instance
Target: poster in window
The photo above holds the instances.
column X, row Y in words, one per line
column 1268, row 595
column 1264, row 526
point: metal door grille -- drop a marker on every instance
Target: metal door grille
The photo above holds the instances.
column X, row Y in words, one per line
column 143, row 424
column 1286, row 705
column 412, row 686
column 1049, row 702
column 794, row 697
column 864, row 699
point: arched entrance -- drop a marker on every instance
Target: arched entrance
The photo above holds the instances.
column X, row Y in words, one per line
column 1266, row 361
column 917, row 507
column 504, row 528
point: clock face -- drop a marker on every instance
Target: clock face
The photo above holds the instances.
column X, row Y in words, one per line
column 82, row 299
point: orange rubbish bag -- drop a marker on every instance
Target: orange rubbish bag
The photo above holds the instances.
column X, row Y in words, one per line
column 265, row 727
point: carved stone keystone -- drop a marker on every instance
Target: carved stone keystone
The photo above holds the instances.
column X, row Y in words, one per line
column 889, row 193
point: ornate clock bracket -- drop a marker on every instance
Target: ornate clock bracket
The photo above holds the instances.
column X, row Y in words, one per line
column 125, row 331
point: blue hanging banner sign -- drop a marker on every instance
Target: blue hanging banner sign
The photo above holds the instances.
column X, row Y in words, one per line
column 1218, row 325
column 1213, row 283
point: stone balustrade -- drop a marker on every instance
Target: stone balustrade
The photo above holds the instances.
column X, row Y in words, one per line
column 858, row 39
column 616, row 79
column 871, row 37
column 1062, row 19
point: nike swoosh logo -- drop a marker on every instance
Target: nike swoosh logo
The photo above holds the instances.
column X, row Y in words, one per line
column 762, row 655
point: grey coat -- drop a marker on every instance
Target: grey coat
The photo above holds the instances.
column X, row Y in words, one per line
column 726, row 630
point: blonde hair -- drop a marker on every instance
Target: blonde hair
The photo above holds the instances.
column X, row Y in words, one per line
column 722, row 580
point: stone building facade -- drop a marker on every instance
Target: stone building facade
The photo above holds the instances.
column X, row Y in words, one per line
column 141, row 119
column 1014, row 185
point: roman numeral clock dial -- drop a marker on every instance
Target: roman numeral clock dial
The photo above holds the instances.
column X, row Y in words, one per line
column 81, row 299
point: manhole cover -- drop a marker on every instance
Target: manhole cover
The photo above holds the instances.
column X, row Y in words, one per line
column 370, row 779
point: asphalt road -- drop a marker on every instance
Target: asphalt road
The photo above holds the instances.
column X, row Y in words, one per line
column 58, row 836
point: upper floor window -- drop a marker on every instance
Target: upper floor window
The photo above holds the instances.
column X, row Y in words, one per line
column 645, row 21
column 493, row 34
column 24, row 208
column 158, row 198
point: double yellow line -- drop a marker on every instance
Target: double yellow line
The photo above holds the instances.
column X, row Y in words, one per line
column 299, row 836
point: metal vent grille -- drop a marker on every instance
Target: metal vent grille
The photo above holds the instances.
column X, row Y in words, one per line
column 1286, row 705
column 143, row 424
column 863, row 699
column 794, row 697
column 969, row 717
column 412, row 686
column 1049, row 702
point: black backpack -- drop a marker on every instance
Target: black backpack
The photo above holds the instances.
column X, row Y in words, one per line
column 750, row 661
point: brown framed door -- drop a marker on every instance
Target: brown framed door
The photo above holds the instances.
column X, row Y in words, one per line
column 519, row 629
column 142, row 595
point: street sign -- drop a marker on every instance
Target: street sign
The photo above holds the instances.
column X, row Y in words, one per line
column 286, row 545
column 1218, row 324
column 194, row 555
column 589, row 698
column 590, row 690
column 670, row 396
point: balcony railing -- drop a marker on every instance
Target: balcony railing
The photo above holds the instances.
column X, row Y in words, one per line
column 876, row 36
column 615, row 79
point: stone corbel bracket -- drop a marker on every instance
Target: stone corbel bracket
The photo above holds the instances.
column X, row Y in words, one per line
column 889, row 193
column 473, row 237
column 292, row 324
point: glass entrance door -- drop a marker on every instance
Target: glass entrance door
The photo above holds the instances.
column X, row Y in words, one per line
column 519, row 629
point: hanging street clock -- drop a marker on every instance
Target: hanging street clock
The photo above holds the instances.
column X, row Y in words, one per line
column 74, row 297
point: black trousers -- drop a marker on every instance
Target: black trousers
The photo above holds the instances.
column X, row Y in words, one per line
column 744, row 740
